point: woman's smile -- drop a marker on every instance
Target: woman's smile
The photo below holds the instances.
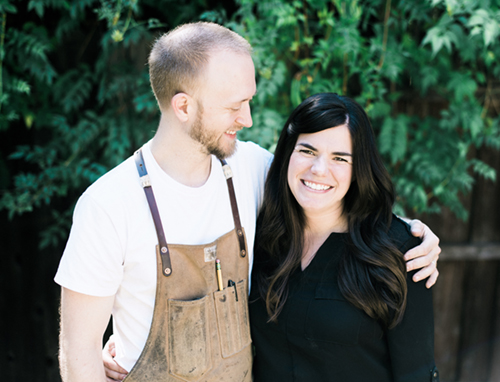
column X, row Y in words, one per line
column 316, row 186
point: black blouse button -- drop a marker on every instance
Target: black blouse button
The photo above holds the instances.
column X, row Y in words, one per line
column 434, row 375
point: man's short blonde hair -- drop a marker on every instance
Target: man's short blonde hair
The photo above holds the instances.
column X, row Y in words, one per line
column 179, row 57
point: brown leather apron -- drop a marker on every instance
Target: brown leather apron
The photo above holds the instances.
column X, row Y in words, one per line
column 198, row 332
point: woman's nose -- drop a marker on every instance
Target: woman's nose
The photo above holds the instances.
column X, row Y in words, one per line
column 319, row 165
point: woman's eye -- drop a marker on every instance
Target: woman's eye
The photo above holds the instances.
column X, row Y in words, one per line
column 307, row 152
column 340, row 159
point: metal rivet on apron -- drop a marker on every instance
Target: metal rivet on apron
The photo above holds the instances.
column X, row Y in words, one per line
column 168, row 271
column 243, row 253
column 164, row 249
column 240, row 232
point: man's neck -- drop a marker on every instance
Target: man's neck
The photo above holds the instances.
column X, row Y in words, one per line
column 180, row 156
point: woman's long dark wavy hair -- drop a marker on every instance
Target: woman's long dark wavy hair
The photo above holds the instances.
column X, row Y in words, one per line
column 372, row 273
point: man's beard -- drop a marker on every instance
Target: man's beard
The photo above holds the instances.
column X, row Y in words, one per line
column 209, row 140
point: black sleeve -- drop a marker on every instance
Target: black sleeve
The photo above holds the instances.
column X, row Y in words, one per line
column 411, row 343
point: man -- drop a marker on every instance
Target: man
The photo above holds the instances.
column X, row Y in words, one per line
column 176, row 316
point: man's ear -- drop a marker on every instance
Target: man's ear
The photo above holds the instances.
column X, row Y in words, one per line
column 182, row 105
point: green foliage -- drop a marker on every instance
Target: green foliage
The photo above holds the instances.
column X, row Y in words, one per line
column 388, row 56
column 74, row 87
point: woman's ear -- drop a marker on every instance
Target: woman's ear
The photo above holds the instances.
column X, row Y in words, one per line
column 182, row 105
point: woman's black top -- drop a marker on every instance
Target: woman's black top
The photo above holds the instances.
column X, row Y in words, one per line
column 320, row 336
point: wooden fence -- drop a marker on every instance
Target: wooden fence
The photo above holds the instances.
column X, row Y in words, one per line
column 467, row 294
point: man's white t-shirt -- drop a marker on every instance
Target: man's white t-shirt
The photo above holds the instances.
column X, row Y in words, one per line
column 111, row 247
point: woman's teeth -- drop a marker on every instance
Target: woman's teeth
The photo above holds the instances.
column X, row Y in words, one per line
column 315, row 186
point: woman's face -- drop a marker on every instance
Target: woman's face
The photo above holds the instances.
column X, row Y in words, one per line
column 320, row 170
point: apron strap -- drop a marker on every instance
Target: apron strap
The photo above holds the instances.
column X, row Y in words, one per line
column 162, row 242
column 234, row 207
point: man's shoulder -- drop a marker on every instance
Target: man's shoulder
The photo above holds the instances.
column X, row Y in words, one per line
column 251, row 149
column 117, row 182
column 250, row 153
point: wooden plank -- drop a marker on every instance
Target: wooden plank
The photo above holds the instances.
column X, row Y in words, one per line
column 447, row 226
column 448, row 300
column 470, row 252
column 485, row 211
column 495, row 354
column 476, row 327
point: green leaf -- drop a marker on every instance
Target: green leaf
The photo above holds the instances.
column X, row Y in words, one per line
column 38, row 6
column 378, row 110
column 20, row 86
column 393, row 138
column 484, row 170
column 6, row 7
column 462, row 85
column 491, row 32
column 429, row 76
column 295, row 92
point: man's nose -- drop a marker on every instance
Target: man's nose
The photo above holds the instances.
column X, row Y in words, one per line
column 245, row 117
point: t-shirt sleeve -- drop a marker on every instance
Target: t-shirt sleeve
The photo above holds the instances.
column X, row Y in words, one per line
column 92, row 262
column 264, row 159
column 254, row 166
column 411, row 343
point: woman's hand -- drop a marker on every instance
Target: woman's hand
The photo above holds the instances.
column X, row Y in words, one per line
column 114, row 372
column 425, row 255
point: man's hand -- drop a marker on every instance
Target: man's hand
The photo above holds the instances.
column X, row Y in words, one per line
column 114, row 372
column 424, row 256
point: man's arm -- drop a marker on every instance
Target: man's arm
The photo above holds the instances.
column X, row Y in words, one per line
column 84, row 320
column 424, row 256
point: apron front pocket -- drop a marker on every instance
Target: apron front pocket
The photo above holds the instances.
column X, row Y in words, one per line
column 231, row 306
column 189, row 339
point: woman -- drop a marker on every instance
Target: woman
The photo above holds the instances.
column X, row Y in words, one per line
column 330, row 299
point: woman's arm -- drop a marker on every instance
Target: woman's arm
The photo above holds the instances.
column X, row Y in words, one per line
column 411, row 342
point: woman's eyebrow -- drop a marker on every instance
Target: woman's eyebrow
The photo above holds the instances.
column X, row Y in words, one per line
column 307, row 145
column 312, row 148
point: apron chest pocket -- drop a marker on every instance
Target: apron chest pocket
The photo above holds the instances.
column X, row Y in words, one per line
column 189, row 338
column 233, row 324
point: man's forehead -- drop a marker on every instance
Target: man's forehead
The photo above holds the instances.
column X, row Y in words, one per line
column 230, row 74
